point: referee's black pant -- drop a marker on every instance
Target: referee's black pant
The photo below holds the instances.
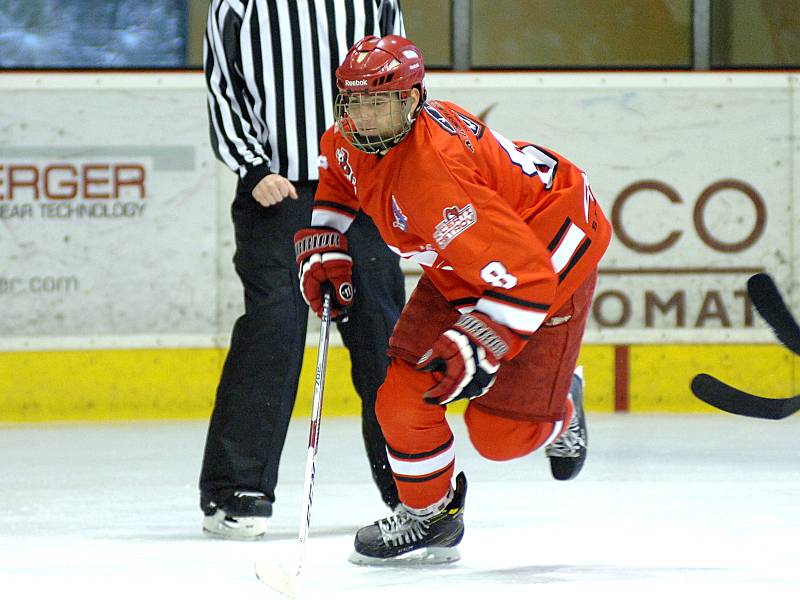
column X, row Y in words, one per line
column 256, row 392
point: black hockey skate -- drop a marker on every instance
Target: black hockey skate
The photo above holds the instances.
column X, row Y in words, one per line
column 568, row 452
column 412, row 536
column 242, row 516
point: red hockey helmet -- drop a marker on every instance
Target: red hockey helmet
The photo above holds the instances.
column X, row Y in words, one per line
column 379, row 71
column 381, row 64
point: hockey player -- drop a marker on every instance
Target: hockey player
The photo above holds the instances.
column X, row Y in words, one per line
column 509, row 236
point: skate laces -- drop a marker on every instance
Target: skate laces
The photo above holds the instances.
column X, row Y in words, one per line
column 570, row 443
column 402, row 528
column 408, row 525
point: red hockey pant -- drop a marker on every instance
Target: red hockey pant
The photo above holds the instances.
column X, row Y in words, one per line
column 420, row 442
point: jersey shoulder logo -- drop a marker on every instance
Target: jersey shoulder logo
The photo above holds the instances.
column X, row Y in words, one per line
column 475, row 127
column 437, row 116
column 400, row 220
column 454, row 122
column 455, row 222
column 343, row 158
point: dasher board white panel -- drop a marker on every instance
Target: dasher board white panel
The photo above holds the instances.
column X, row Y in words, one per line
column 158, row 263
column 107, row 211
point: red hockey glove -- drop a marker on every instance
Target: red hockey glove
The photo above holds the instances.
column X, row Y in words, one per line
column 465, row 358
column 322, row 259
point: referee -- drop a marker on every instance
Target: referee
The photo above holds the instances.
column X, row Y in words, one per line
column 269, row 68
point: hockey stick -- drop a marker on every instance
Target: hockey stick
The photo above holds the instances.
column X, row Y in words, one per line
column 770, row 305
column 283, row 578
column 724, row 397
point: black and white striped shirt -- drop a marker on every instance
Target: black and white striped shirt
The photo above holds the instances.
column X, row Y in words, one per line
column 269, row 68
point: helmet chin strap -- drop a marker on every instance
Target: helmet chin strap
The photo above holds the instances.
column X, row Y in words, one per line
column 371, row 144
column 411, row 115
column 375, row 144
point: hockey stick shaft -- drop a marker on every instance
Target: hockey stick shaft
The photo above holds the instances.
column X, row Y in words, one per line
column 316, row 415
column 770, row 305
column 277, row 576
column 732, row 400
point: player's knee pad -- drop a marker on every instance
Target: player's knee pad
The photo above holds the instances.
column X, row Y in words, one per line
column 400, row 407
column 500, row 438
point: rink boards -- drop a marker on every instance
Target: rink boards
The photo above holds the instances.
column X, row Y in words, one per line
column 118, row 293
column 180, row 383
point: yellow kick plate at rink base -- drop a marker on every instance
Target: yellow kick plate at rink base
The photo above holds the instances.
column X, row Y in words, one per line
column 99, row 385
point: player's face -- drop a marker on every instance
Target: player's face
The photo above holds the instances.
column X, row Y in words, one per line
column 377, row 114
column 374, row 122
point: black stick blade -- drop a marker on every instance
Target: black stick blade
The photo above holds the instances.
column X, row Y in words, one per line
column 770, row 305
column 724, row 397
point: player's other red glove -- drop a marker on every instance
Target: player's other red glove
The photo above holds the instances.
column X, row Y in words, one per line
column 323, row 260
column 465, row 359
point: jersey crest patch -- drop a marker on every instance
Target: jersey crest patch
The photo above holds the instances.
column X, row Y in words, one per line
column 456, row 221
column 343, row 158
column 400, row 220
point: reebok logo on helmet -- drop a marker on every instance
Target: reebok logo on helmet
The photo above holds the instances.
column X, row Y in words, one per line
column 355, row 82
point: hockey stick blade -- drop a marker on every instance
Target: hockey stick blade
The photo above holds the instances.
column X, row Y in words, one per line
column 278, row 577
column 725, row 397
column 770, row 305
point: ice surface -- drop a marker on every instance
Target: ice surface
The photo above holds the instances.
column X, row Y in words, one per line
column 666, row 505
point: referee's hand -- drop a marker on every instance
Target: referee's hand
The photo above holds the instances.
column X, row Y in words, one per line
column 273, row 189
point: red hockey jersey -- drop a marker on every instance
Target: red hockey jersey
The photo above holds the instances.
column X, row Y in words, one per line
column 507, row 228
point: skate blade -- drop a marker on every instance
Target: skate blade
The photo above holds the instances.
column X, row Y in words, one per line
column 421, row 557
